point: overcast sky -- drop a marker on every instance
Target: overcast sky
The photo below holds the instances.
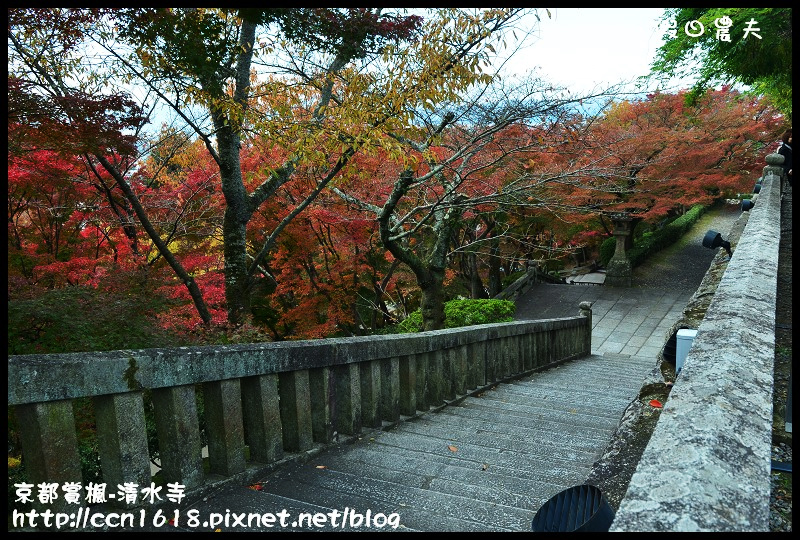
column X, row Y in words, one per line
column 581, row 48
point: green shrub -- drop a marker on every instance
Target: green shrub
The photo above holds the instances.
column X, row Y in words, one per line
column 412, row 323
column 76, row 319
column 464, row 312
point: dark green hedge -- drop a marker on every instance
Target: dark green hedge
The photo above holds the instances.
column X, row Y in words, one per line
column 653, row 241
column 75, row 319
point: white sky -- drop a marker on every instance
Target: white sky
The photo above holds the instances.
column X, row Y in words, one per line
column 583, row 48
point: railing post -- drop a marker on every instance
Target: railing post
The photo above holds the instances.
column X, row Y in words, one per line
column 490, row 361
column 222, row 402
column 122, row 440
column 321, row 381
column 390, row 389
column 175, row 410
column 458, row 364
column 535, row 350
column 50, row 447
column 408, row 385
column 558, row 344
column 348, row 399
column 518, row 352
column 528, row 351
column 370, row 393
column 505, row 357
column 448, row 374
column 295, row 405
column 421, row 389
column 262, row 418
column 543, row 338
column 586, row 311
column 477, row 363
column 435, row 378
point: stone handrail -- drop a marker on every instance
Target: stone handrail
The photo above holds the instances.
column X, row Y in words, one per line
column 272, row 398
column 521, row 285
column 707, row 465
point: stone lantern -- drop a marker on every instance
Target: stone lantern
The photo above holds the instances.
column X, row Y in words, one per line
column 619, row 272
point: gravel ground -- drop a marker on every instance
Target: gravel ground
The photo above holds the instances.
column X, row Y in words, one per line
column 670, row 269
column 780, row 504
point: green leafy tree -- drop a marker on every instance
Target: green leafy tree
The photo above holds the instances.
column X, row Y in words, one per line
column 761, row 60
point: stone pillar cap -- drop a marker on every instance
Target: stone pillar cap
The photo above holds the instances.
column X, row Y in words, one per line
column 774, row 159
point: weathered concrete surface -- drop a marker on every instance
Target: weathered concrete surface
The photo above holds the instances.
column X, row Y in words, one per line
column 707, row 466
column 36, row 378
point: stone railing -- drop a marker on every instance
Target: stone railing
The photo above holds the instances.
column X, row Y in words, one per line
column 707, row 465
column 533, row 275
column 261, row 402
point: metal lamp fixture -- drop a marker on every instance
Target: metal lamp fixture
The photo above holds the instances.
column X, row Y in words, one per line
column 713, row 240
column 747, row 204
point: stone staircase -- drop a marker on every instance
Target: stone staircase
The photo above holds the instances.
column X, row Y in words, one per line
column 485, row 463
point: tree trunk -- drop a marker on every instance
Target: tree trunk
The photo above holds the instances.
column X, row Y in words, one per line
column 234, row 224
column 495, row 280
column 237, row 290
column 629, row 240
column 477, row 290
column 432, row 304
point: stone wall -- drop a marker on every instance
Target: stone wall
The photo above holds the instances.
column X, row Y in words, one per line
column 707, row 465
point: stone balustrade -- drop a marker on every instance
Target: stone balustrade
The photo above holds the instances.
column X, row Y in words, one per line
column 708, row 463
column 261, row 402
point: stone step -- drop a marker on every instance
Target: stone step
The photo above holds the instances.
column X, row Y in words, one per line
column 530, row 403
column 507, row 436
column 418, row 508
column 484, row 463
column 513, row 482
column 563, row 456
column 551, row 420
column 508, row 493
column 478, row 454
column 392, row 456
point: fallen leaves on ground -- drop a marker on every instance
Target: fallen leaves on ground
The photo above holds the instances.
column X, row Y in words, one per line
column 655, row 403
column 452, row 448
